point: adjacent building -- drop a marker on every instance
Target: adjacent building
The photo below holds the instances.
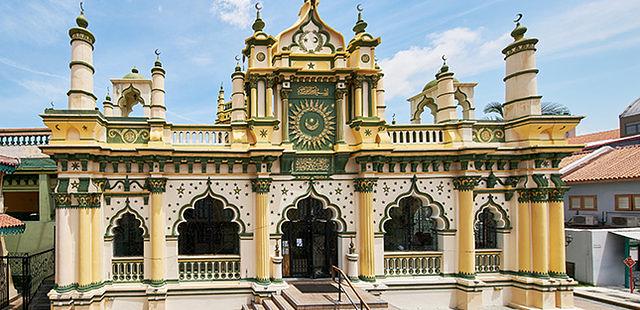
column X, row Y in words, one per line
column 302, row 176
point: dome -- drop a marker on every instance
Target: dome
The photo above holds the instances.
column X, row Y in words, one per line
column 434, row 83
column 133, row 75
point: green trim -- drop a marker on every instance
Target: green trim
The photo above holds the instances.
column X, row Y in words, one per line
column 364, row 185
column 79, row 91
column 466, row 183
column 156, row 185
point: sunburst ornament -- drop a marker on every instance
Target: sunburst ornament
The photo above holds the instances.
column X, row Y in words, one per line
column 312, row 124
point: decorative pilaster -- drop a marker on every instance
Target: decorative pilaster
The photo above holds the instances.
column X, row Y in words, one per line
column 157, row 187
column 340, row 93
column 284, row 96
column 540, row 232
column 466, row 242
column 253, row 85
column 261, row 187
column 524, row 232
column 270, row 83
column 364, row 187
column 358, row 96
column 557, row 252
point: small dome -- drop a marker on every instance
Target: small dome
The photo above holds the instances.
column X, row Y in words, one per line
column 134, row 75
column 434, row 83
column 82, row 21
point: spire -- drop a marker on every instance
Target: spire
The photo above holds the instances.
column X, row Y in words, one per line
column 238, row 68
column 157, row 63
column 258, row 24
column 519, row 31
column 221, row 92
column 107, row 98
column 445, row 67
column 361, row 25
column 81, row 20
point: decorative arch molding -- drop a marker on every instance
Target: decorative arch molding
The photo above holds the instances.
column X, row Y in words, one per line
column 326, row 204
column 500, row 214
column 463, row 101
column 126, row 104
column 208, row 193
column 438, row 214
column 116, row 217
column 426, row 102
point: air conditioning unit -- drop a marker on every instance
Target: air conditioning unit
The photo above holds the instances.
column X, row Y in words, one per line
column 624, row 221
column 584, row 220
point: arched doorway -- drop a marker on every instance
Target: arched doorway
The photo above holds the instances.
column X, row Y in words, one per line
column 310, row 241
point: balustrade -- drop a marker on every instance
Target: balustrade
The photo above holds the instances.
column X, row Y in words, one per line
column 417, row 135
column 127, row 269
column 412, row 263
column 201, row 136
column 24, row 137
column 209, row 268
column 488, row 261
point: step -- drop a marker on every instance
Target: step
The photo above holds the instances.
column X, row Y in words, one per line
column 257, row 306
column 282, row 303
column 269, row 305
column 329, row 301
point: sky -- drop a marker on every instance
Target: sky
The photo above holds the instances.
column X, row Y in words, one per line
column 588, row 53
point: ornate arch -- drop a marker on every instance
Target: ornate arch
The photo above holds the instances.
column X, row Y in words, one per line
column 225, row 205
column 463, row 101
column 128, row 99
column 326, row 204
column 437, row 208
column 426, row 102
column 127, row 209
column 500, row 214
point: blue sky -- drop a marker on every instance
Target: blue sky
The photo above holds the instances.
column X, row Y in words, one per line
column 588, row 50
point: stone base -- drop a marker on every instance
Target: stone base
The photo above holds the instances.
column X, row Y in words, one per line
column 468, row 300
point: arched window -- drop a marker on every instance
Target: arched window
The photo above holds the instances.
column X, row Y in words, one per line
column 128, row 237
column 410, row 227
column 485, row 230
column 209, row 230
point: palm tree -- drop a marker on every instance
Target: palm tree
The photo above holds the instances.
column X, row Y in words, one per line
column 495, row 112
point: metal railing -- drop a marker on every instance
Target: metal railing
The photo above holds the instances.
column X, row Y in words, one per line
column 24, row 137
column 201, row 135
column 27, row 271
column 209, row 268
column 416, row 134
column 412, row 263
column 335, row 271
column 488, row 260
column 127, row 269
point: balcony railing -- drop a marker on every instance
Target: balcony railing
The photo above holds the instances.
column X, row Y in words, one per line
column 23, row 137
column 201, row 135
column 129, row 269
column 488, row 260
column 412, row 263
column 416, row 134
column 209, row 268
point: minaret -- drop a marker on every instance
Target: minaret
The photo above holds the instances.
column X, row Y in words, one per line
column 80, row 94
column 108, row 105
column 521, row 87
column 445, row 100
column 158, row 108
column 238, row 108
column 220, row 103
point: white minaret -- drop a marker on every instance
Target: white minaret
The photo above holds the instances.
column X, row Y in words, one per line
column 238, row 109
column 80, row 94
column 220, row 103
column 107, row 105
column 158, row 108
column 445, row 100
column 521, row 86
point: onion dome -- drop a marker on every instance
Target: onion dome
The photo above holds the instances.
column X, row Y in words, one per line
column 133, row 75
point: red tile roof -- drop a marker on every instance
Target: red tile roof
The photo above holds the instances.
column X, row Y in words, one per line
column 572, row 158
column 621, row 163
column 9, row 225
column 594, row 137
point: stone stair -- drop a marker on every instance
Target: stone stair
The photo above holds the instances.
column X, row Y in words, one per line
column 40, row 300
column 293, row 299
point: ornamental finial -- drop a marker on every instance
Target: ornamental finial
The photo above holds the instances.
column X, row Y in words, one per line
column 157, row 63
column 518, row 33
column 361, row 25
column 258, row 24
column 81, row 20
column 444, row 67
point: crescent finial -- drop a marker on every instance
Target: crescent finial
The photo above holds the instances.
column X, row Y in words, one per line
column 359, row 7
column 81, row 8
column 157, row 52
column 238, row 58
column 258, row 6
column 444, row 58
column 518, row 18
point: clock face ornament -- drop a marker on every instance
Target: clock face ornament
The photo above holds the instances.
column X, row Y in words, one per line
column 312, row 124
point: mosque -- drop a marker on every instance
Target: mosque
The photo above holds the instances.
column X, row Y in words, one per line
column 300, row 178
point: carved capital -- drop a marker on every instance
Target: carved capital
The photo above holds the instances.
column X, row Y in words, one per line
column 100, row 184
column 538, row 194
column 466, row 183
column 62, row 200
column 556, row 194
column 284, row 93
column 88, row 200
column 339, row 93
column 262, row 185
column 156, row 185
column 364, row 185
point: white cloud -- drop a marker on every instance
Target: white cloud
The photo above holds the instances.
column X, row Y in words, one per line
column 15, row 65
column 23, row 20
column 42, row 89
column 233, row 12
column 467, row 53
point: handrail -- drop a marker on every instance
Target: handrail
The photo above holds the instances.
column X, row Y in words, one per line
column 341, row 275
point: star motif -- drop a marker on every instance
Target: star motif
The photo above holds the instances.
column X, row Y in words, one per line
column 338, row 191
column 386, row 188
column 440, row 188
column 237, row 190
column 367, row 132
column 180, row 190
column 75, row 184
column 263, row 133
column 311, row 65
column 75, row 165
column 285, row 191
